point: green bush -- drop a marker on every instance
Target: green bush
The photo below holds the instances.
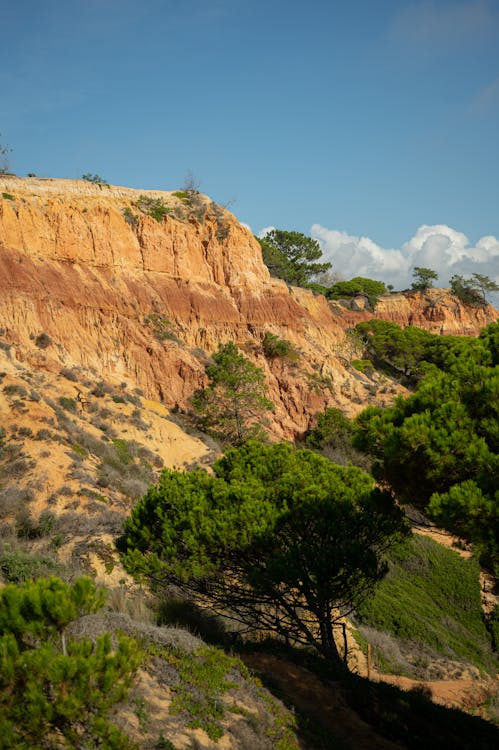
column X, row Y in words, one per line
column 28, row 528
column 67, row 403
column 57, row 692
column 359, row 285
column 274, row 347
column 17, row 566
column 332, row 428
column 362, row 365
column 154, row 207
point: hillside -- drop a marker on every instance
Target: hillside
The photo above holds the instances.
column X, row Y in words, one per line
column 142, row 300
column 112, row 301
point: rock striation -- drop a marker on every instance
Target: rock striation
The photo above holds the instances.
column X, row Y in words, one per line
column 133, row 298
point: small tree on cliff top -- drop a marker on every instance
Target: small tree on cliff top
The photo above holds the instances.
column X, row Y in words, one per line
column 291, row 256
column 277, row 539
column 424, row 278
column 233, row 403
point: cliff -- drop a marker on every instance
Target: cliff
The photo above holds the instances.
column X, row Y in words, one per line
column 435, row 310
column 134, row 298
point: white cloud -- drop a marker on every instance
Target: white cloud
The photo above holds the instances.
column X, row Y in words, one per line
column 438, row 247
column 265, row 231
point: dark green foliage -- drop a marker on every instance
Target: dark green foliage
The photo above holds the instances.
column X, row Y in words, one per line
column 67, row 403
column 389, row 345
column 291, row 256
column 424, row 278
column 493, row 627
column 7, row 196
column 359, row 285
column 412, row 351
column 431, row 596
column 54, row 693
column 232, row 405
column 439, row 448
column 274, row 347
column 17, row 566
column 95, row 178
column 276, row 538
column 473, row 291
column 164, row 744
column 43, row 340
column 332, row 428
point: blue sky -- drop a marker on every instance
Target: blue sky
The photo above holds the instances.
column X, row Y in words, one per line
column 357, row 121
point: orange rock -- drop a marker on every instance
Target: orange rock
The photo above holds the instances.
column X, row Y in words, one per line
column 73, row 267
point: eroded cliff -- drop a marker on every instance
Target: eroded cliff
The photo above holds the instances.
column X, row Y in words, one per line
column 133, row 298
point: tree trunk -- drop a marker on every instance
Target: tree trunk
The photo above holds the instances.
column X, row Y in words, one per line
column 329, row 648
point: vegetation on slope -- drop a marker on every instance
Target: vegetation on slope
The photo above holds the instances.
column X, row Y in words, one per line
column 278, row 539
column 439, row 448
column 430, row 601
column 56, row 692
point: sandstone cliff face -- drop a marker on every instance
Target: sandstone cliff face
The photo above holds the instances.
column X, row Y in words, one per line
column 435, row 310
column 82, row 264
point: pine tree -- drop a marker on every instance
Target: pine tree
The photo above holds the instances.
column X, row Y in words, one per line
column 233, row 403
column 55, row 693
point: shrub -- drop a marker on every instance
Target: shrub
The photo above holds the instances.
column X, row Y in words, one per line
column 493, row 627
column 101, row 389
column 160, row 326
column 274, row 347
column 333, row 428
column 28, row 528
column 363, row 365
column 130, row 218
column 8, row 196
column 55, row 689
column 43, row 340
column 43, row 434
column 17, row 566
column 95, row 178
column 15, row 390
column 67, row 403
column 12, row 498
column 154, row 207
column 431, row 596
column 69, row 374
column 25, row 432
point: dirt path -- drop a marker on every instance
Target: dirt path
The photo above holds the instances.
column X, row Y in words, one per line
column 465, row 694
column 322, row 703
